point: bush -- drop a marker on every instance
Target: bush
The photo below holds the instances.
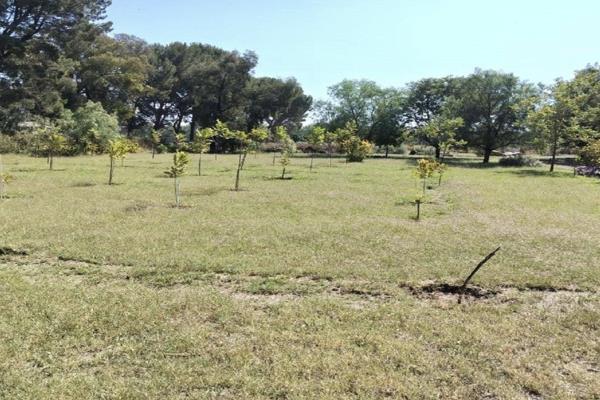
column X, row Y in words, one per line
column 590, row 154
column 8, row 144
column 357, row 150
column 519, row 161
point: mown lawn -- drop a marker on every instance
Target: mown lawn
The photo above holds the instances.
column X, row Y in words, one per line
column 322, row 286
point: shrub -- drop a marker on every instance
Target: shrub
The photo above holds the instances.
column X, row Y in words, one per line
column 519, row 161
column 590, row 154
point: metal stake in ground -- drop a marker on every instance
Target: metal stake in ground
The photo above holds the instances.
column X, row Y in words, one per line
column 461, row 291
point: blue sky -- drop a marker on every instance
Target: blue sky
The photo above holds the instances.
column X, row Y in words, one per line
column 391, row 42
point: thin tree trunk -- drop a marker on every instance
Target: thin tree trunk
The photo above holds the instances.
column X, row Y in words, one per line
column 283, row 173
column 554, row 151
column 237, row 175
column 51, row 161
column 438, row 152
column 176, row 192
column 387, row 150
column 312, row 157
column 153, row 151
column 424, row 185
column 110, row 171
column 200, row 164
column 274, row 155
column 418, row 202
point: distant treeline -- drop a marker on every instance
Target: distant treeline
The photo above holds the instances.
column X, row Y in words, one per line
column 59, row 66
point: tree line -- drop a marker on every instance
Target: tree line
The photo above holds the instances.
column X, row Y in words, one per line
column 485, row 111
column 62, row 72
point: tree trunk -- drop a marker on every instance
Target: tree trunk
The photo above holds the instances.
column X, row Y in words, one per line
column 237, row 175
column 193, row 128
column 283, row 173
column 438, row 152
column 486, row 156
column 554, row 151
column 312, row 157
column 176, row 192
column 153, row 151
column 51, row 161
column 200, row 164
column 110, row 171
column 387, row 150
column 274, row 155
column 418, row 202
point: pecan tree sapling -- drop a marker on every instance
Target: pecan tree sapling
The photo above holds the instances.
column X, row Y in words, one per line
column 180, row 162
column 202, row 140
column 316, row 137
column 281, row 134
column 54, row 143
column 288, row 149
column 350, row 143
column 425, row 169
column 155, row 139
column 440, row 168
column 246, row 140
column 116, row 150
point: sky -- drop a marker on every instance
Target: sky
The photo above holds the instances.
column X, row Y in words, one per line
column 392, row 42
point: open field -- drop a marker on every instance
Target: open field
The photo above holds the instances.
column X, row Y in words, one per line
column 322, row 286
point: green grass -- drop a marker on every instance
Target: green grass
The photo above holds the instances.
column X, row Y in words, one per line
column 314, row 287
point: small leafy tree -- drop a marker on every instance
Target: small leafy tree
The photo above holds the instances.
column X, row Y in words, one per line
column 424, row 171
column 202, row 140
column 330, row 139
column 246, row 140
column 316, row 137
column 129, row 147
column 289, row 147
column 440, row 133
column 116, row 150
column 155, row 138
column 440, row 168
column 281, row 135
column 221, row 131
column 54, row 143
column 356, row 150
column 180, row 162
column 180, row 142
column 590, row 154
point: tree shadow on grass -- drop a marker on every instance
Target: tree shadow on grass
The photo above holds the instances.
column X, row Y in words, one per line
column 524, row 173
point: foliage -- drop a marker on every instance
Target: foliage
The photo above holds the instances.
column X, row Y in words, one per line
column 355, row 149
column 156, row 140
column 117, row 149
column 440, row 133
column 202, row 140
column 177, row 170
column 590, row 154
column 90, row 128
column 494, row 108
column 424, row 170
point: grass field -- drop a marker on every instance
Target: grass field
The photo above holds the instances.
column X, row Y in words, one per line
column 321, row 286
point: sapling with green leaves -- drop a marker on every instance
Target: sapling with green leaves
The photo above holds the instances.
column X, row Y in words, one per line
column 245, row 140
column 425, row 169
column 180, row 142
column 316, row 137
column 155, row 139
column 356, row 150
column 202, row 140
column 440, row 168
column 288, row 149
column 129, row 147
column 177, row 170
column 221, row 131
column 116, row 150
column 280, row 136
column 54, row 143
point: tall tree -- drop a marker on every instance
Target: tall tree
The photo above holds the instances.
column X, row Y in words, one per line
column 494, row 107
column 276, row 102
column 426, row 100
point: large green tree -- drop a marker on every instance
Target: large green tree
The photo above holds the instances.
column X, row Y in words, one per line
column 426, row 101
column 276, row 102
column 494, row 108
